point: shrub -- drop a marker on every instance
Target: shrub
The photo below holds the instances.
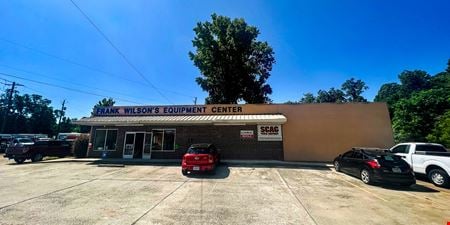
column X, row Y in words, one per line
column 80, row 146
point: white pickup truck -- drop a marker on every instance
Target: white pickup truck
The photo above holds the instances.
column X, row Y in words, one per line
column 430, row 159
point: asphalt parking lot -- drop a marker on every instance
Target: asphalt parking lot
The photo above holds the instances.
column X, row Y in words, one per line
column 84, row 193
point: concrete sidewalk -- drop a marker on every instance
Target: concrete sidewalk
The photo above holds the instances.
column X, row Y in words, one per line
column 269, row 163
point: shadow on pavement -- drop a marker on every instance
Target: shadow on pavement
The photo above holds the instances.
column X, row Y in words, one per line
column 221, row 172
column 412, row 188
column 283, row 166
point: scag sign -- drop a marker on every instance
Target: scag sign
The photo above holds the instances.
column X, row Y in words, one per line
column 269, row 133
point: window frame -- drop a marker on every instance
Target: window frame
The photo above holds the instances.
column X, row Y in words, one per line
column 407, row 148
column 106, row 138
column 428, row 145
column 162, row 139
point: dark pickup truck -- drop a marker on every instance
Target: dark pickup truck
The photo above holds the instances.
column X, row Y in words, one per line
column 37, row 151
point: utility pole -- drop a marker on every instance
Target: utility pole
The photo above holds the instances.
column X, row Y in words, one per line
column 63, row 108
column 10, row 95
column 195, row 100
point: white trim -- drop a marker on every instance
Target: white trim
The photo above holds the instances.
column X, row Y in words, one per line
column 125, row 143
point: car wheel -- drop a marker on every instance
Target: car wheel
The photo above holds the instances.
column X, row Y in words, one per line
column 337, row 166
column 439, row 178
column 37, row 157
column 19, row 160
column 184, row 172
column 365, row 176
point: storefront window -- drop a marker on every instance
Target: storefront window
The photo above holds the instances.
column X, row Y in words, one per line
column 163, row 140
column 111, row 140
column 157, row 139
column 169, row 139
column 105, row 140
column 99, row 142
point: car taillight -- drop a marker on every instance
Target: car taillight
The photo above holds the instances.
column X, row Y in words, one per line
column 373, row 163
column 210, row 159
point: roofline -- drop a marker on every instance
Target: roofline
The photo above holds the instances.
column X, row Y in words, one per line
column 251, row 121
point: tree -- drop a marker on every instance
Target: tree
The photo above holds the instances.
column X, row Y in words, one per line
column 441, row 131
column 415, row 117
column 308, row 98
column 390, row 93
column 448, row 67
column 440, row 80
column 105, row 102
column 41, row 118
column 291, row 102
column 331, row 96
column 414, row 81
column 353, row 90
column 234, row 65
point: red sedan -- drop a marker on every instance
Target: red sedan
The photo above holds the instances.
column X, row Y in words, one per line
column 201, row 158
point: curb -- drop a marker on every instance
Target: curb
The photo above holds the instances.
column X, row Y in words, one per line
column 267, row 163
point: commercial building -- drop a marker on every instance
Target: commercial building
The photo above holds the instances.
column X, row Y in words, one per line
column 290, row 132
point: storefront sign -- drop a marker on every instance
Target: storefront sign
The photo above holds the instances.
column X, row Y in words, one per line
column 269, row 133
column 166, row 110
column 247, row 134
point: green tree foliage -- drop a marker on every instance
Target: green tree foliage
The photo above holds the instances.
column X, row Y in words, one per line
column 390, row 93
column 418, row 105
column 105, row 102
column 332, row 95
column 308, row 98
column 234, row 65
column 414, row 81
column 350, row 92
column 415, row 117
column 353, row 90
column 28, row 114
column 441, row 131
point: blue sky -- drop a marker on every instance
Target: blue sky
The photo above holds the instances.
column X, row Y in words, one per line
column 317, row 44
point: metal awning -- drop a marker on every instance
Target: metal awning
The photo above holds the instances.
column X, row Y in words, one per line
column 183, row 120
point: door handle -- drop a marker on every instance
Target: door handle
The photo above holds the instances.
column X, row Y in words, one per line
column 404, row 157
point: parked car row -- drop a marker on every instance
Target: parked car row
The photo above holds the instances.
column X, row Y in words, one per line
column 21, row 147
column 24, row 149
column 397, row 165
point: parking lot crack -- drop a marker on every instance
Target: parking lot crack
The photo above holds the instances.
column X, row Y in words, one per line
column 291, row 192
column 159, row 202
column 49, row 193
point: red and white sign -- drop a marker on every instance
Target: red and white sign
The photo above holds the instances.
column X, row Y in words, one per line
column 247, row 134
column 269, row 133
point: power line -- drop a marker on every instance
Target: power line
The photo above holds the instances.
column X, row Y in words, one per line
column 65, row 59
column 71, row 82
column 118, row 51
column 85, row 66
column 67, row 88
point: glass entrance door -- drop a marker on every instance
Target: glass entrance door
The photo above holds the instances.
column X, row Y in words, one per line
column 128, row 148
column 147, row 154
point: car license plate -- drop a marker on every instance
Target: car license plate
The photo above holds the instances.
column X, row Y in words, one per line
column 396, row 170
column 196, row 168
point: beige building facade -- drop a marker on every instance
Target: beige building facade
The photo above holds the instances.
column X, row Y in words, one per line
column 289, row 132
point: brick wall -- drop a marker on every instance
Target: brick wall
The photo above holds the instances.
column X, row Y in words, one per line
column 226, row 138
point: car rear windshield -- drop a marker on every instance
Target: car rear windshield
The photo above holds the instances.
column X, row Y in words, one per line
column 389, row 157
column 24, row 140
column 198, row 151
column 430, row 148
